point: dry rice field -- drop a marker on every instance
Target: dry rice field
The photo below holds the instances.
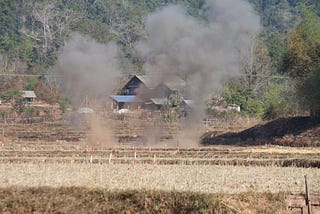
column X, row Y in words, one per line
column 195, row 178
column 226, row 179
column 203, row 170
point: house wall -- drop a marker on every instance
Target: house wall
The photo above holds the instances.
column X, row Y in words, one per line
column 28, row 100
column 121, row 105
column 136, row 87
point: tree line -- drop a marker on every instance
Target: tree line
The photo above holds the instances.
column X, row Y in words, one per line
column 280, row 72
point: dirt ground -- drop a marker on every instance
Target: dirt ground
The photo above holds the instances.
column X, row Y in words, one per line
column 293, row 132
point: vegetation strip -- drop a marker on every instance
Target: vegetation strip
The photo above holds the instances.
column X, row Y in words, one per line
column 82, row 200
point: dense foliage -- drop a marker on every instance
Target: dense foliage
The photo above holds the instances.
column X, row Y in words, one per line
column 32, row 34
column 302, row 60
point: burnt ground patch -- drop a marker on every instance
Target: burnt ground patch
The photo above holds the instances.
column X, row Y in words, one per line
column 293, row 131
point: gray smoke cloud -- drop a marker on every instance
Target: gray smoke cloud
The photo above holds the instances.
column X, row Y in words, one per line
column 88, row 68
column 203, row 51
column 89, row 72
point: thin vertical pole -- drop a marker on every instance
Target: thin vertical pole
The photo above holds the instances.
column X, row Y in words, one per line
column 307, row 195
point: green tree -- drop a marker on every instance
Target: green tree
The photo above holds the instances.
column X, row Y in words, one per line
column 237, row 92
column 30, row 83
column 9, row 25
column 279, row 99
column 309, row 91
column 10, row 94
column 276, row 47
column 302, row 59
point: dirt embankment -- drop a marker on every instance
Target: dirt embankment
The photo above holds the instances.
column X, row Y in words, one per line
column 294, row 131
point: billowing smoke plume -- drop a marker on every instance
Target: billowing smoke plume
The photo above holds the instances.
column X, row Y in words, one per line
column 88, row 69
column 202, row 51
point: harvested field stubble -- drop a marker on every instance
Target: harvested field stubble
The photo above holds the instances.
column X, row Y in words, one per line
column 244, row 156
column 200, row 178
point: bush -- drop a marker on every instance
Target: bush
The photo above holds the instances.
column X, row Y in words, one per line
column 30, row 111
column 63, row 105
column 10, row 94
column 309, row 91
column 272, row 111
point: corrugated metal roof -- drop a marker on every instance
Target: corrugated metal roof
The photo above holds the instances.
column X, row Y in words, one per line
column 28, row 94
column 123, row 98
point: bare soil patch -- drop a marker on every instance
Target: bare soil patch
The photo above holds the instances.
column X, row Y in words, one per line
column 294, row 132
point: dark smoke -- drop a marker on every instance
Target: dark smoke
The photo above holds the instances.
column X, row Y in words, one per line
column 203, row 52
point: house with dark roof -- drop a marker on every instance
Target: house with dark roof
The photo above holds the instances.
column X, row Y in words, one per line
column 148, row 92
column 153, row 85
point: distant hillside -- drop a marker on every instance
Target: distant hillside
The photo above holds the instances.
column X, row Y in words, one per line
column 32, row 33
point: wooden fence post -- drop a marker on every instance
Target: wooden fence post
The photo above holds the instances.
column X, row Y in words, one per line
column 308, row 201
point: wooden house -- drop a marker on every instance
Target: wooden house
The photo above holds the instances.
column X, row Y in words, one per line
column 148, row 92
column 153, row 86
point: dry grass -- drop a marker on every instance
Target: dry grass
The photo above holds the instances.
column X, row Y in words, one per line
column 83, row 200
column 54, row 176
column 200, row 178
column 283, row 150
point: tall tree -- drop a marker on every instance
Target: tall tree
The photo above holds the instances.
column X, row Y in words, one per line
column 256, row 65
column 302, row 59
